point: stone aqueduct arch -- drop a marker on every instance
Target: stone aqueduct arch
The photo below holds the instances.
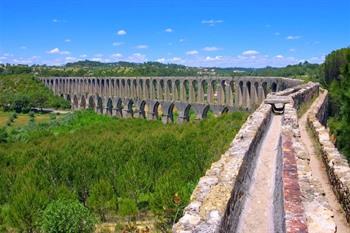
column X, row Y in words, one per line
column 148, row 97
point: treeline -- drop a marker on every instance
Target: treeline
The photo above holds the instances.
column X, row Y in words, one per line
column 92, row 68
column 21, row 92
column 118, row 169
column 336, row 78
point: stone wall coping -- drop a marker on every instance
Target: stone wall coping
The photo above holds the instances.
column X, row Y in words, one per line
column 337, row 166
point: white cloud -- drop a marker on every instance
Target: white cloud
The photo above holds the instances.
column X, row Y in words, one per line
column 292, row 50
column 142, row 46
column 293, row 37
column 98, row 55
column 316, row 59
column 192, row 52
column 277, row 34
column 117, row 43
column 58, row 51
column 121, row 32
column 212, row 22
column 161, row 60
column 67, row 40
column 211, row 49
column 216, row 58
column 181, row 40
column 176, row 59
column 71, row 59
column 96, row 59
column 169, row 30
column 249, row 53
column 117, row 55
column 137, row 57
column 83, row 56
column 279, row 56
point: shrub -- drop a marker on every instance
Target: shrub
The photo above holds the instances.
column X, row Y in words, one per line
column 67, row 216
column 31, row 114
column 3, row 135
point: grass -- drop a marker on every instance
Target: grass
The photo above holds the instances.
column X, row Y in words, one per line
column 23, row 119
column 4, row 116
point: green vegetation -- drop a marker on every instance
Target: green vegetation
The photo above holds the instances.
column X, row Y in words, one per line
column 21, row 92
column 91, row 68
column 67, row 216
column 337, row 78
column 119, row 169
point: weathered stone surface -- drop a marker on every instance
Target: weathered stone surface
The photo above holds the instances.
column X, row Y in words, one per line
column 210, row 198
column 219, row 196
column 336, row 165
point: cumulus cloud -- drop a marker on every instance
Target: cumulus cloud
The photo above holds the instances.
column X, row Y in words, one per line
column 98, row 59
column 181, row 40
column 58, row 51
column 176, row 59
column 212, row 22
column 249, row 53
column 216, row 58
column 293, row 37
column 211, row 49
column 279, row 56
column 142, row 46
column 137, row 57
column 169, row 30
column 67, row 40
column 277, row 34
column 83, row 56
column 117, row 55
column 71, row 59
column 192, row 52
column 121, row 32
column 161, row 60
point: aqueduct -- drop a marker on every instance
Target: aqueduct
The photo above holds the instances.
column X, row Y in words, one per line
column 153, row 97
column 267, row 180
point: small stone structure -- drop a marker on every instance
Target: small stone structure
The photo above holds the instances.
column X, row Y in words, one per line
column 337, row 166
column 153, row 97
column 299, row 205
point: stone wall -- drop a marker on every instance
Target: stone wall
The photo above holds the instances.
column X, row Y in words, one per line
column 305, row 205
column 299, row 205
column 214, row 190
column 337, row 167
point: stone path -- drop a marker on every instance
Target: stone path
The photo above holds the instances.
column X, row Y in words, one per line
column 319, row 172
column 257, row 213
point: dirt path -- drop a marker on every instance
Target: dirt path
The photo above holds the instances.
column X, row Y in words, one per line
column 319, row 172
column 257, row 213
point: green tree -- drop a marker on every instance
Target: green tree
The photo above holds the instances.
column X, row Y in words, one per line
column 25, row 208
column 66, row 216
column 127, row 207
column 101, row 199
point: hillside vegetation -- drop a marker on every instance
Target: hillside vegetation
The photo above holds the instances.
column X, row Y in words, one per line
column 337, row 79
column 119, row 169
column 92, row 68
column 21, row 92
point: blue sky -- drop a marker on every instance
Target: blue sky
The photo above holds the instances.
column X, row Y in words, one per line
column 223, row 33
